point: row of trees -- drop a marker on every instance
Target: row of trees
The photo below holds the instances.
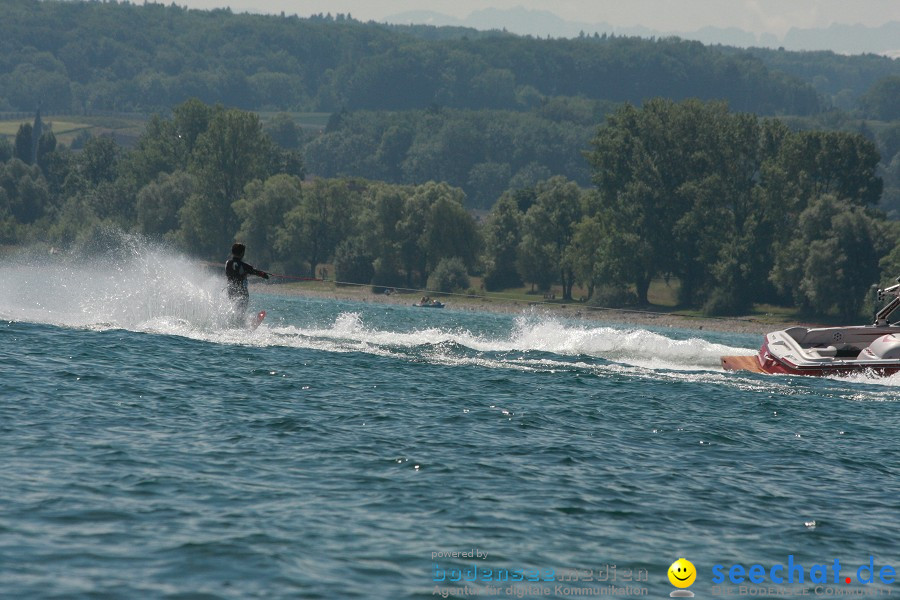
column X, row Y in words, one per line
column 880, row 101
column 841, row 79
column 209, row 174
column 738, row 210
column 180, row 180
column 525, row 108
column 483, row 152
column 511, row 150
column 88, row 56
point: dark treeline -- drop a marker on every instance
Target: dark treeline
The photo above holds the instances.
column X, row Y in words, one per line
column 593, row 182
column 89, row 56
column 414, row 104
column 208, row 175
column 483, row 152
column 487, row 152
column 841, row 79
column 737, row 209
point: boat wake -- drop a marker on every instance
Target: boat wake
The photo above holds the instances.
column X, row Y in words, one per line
column 530, row 338
column 149, row 289
column 545, row 345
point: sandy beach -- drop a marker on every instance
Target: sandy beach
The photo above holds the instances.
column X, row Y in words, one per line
column 641, row 318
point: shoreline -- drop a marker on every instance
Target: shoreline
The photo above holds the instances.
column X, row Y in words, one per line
column 619, row 316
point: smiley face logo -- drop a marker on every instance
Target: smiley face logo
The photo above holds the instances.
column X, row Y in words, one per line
column 682, row 573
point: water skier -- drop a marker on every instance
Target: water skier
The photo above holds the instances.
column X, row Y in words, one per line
column 236, row 271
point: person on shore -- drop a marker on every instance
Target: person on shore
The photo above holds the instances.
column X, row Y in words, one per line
column 236, row 271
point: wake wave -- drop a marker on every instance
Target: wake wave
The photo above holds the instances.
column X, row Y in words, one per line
column 138, row 286
column 146, row 288
column 549, row 346
column 634, row 346
column 532, row 344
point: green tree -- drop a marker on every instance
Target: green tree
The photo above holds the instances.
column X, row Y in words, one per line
column 57, row 166
column 46, row 146
column 353, row 262
column 833, row 260
column 549, row 227
column 882, row 101
column 411, row 237
column 114, row 202
column 314, row 227
column 610, row 253
column 450, row 275
column 98, row 161
column 262, row 210
column 450, row 231
column 6, row 149
column 190, row 120
column 889, row 141
column 890, row 262
column 534, row 261
column 632, row 188
column 25, row 191
column 24, row 143
column 159, row 203
column 76, row 222
column 284, row 131
column 379, row 227
column 231, row 153
column 159, row 149
column 433, row 225
column 502, row 236
column 817, row 163
column 488, row 180
column 640, row 163
column 710, row 197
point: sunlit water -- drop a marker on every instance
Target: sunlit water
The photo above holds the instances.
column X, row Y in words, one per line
column 152, row 450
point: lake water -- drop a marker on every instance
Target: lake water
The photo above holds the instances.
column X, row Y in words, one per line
column 354, row 450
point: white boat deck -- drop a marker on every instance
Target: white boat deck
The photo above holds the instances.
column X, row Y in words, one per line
column 837, row 346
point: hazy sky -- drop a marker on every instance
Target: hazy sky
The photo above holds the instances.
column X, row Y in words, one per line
column 757, row 16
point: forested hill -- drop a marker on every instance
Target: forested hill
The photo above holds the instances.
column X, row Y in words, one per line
column 85, row 56
column 841, row 79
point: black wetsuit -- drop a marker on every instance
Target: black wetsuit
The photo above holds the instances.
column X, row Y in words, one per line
column 236, row 270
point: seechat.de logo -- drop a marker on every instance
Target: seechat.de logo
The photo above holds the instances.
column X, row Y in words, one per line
column 794, row 572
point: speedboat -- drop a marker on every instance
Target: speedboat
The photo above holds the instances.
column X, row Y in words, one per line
column 871, row 348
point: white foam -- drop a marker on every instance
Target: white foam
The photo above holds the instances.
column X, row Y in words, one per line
column 140, row 287
column 869, row 378
column 147, row 288
column 638, row 347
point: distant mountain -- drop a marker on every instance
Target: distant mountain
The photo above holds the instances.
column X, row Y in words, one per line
column 519, row 20
column 424, row 17
column 843, row 39
column 847, row 39
column 532, row 22
column 731, row 36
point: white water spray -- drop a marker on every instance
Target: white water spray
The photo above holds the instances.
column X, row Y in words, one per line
column 137, row 286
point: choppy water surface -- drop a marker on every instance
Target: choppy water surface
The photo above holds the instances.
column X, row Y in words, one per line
column 150, row 450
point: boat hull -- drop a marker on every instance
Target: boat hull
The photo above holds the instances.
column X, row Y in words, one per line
column 741, row 363
column 820, row 351
column 765, row 362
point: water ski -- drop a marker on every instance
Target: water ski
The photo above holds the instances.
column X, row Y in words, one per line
column 255, row 321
